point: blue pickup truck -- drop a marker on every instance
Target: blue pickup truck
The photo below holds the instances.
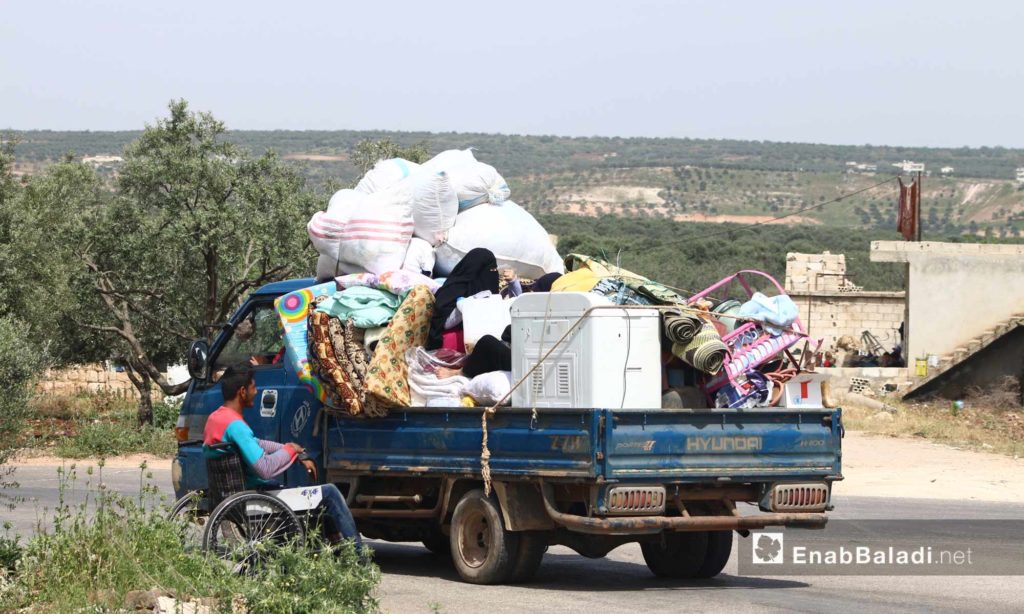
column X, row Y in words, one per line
column 588, row 478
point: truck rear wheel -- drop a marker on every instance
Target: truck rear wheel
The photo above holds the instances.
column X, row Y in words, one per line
column 719, row 549
column 676, row 555
column 438, row 543
column 532, row 546
column 482, row 550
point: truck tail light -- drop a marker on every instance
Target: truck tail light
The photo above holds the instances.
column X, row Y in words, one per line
column 635, row 500
column 180, row 430
column 799, row 498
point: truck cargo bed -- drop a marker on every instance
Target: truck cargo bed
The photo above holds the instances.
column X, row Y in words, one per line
column 593, row 444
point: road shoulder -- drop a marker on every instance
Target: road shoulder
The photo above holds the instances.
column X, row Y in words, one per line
column 879, row 466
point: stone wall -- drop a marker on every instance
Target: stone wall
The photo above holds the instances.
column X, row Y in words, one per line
column 831, row 315
column 824, row 272
column 86, row 379
column 831, row 307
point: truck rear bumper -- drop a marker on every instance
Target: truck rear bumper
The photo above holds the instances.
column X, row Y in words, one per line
column 654, row 524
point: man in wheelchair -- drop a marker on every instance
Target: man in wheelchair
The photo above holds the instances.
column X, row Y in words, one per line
column 263, row 460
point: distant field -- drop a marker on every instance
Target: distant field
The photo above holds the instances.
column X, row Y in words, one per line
column 684, row 180
column 949, row 205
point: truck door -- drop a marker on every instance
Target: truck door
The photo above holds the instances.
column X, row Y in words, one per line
column 282, row 404
column 256, row 338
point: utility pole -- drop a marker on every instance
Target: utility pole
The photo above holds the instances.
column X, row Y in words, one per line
column 917, row 207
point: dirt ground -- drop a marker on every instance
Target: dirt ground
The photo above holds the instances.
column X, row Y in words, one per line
column 879, row 466
column 132, row 461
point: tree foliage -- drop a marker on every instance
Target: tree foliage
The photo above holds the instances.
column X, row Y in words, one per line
column 368, row 152
column 21, row 360
column 165, row 254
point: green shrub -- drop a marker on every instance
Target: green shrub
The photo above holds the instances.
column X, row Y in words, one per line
column 165, row 414
column 117, row 437
column 10, row 551
column 79, row 406
column 95, row 555
column 20, row 363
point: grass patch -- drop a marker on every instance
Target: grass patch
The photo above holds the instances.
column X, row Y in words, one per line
column 95, row 426
column 101, row 551
column 105, row 438
column 978, row 427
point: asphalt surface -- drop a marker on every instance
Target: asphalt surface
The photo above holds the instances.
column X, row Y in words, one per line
column 417, row 581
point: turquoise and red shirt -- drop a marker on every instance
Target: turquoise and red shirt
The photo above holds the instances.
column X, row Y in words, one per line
column 263, row 459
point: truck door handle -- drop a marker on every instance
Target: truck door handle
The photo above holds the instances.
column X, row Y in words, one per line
column 268, row 403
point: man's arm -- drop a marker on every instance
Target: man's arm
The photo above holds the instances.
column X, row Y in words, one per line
column 265, row 465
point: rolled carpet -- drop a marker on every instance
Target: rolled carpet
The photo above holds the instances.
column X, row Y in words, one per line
column 681, row 328
column 705, row 351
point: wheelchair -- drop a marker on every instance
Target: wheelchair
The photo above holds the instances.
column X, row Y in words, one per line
column 237, row 524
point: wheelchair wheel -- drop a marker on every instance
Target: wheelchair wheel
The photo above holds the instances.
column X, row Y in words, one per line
column 245, row 524
column 193, row 511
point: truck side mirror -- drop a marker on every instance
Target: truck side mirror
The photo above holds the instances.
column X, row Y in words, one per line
column 197, row 356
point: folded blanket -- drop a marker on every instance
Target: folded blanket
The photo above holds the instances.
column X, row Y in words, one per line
column 681, row 328
column 387, row 378
column 325, row 363
column 705, row 351
column 366, row 307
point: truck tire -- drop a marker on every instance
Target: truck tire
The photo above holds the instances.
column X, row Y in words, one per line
column 482, row 550
column 719, row 549
column 532, row 546
column 438, row 543
column 676, row 555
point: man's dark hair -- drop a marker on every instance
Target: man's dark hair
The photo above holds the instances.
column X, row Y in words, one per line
column 234, row 379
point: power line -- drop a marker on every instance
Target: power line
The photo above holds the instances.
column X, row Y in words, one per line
column 769, row 221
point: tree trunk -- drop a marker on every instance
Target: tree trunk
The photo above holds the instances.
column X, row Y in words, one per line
column 144, row 385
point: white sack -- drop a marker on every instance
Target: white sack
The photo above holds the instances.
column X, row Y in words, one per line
column 478, row 183
column 490, row 387
column 370, row 234
column 419, row 257
column 448, row 159
column 434, row 205
column 508, row 230
column 385, row 174
column 344, row 203
column 329, row 267
column 475, row 183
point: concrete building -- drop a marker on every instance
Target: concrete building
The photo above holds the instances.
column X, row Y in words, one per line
column 962, row 298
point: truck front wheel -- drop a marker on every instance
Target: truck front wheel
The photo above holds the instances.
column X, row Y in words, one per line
column 676, row 555
column 483, row 551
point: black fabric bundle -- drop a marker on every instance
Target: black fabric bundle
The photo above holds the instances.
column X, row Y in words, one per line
column 477, row 271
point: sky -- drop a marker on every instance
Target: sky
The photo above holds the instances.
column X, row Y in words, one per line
column 935, row 73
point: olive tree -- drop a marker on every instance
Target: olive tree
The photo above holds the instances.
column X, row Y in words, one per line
column 21, row 359
column 368, row 152
column 193, row 224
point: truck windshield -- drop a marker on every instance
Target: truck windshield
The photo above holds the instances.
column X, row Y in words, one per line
column 256, row 339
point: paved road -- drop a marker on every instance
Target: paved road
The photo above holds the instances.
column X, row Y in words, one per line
column 416, row 581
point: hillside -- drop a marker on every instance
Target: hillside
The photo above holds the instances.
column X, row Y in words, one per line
column 684, row 180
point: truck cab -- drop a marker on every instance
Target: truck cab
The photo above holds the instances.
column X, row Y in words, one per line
column 283, row 409
column 592, row 478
